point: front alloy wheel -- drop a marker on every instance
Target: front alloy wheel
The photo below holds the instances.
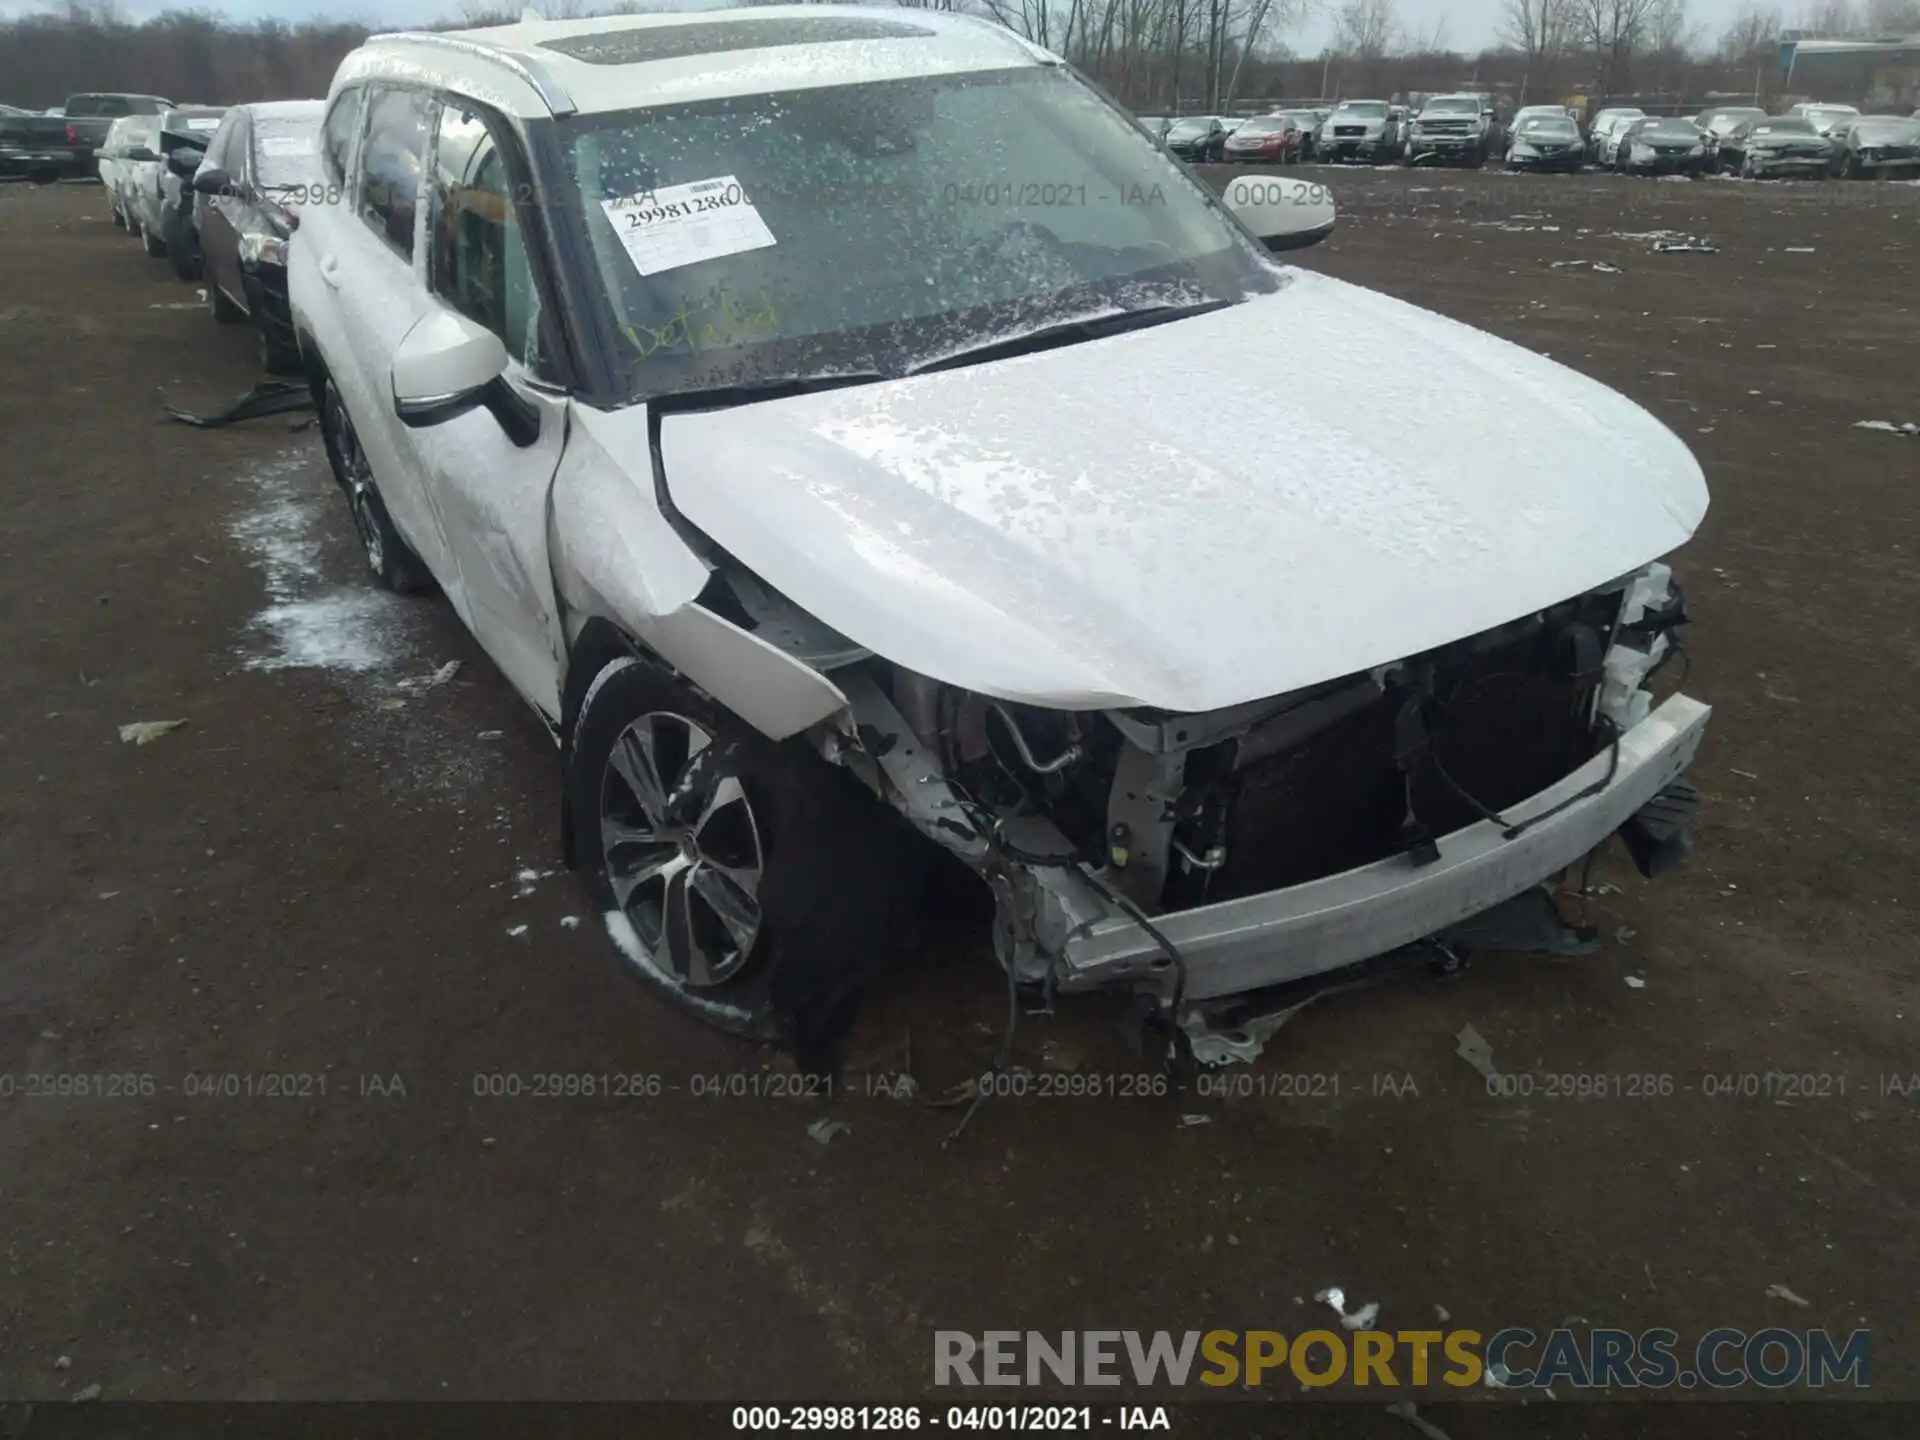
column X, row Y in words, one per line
column 682, row 847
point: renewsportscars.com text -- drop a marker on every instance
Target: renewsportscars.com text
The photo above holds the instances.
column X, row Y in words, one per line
column 1514, row 1359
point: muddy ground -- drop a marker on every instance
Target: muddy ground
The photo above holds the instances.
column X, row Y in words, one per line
column 337, row 871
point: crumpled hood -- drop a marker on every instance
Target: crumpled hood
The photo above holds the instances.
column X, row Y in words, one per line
column 1188, row 516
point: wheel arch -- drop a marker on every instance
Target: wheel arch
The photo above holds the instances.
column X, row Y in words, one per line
column 773, row 692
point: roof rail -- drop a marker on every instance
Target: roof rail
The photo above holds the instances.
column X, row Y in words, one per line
column 551, row 91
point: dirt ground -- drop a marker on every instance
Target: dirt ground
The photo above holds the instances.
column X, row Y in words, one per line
column 339, row 871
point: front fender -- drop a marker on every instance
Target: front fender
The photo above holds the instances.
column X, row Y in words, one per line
column 618, row 558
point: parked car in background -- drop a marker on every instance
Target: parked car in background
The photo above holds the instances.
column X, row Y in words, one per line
column 1670, row 145
column 1823, row 117
column 1308, row 122
column 261, row 165
column 1154, row 125
column 1601, row 132
column 1197, row 138
column 1357, row 130
column 1779, row 145
column 180, row 132
column 90, row 116
column 1721, row 121
column 1546, row 140
column 1450, row 129
column 1876, row 147
column 35, row 147
column 13, row 110
column 1269, row 139
column 112, row 161
column 179, row 203
column 1493, row 128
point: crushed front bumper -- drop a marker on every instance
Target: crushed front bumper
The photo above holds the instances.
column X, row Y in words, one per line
column 1341, row 920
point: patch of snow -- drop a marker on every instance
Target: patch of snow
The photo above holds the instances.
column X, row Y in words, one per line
column 309, row 622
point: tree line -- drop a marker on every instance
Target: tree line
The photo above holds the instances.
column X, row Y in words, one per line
column 1157, row 55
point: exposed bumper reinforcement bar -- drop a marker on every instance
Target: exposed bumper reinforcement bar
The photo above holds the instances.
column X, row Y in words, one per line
column 1262, row 940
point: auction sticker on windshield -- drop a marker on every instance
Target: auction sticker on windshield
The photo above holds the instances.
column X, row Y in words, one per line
column 279, row 147
column 684, row 224
column 205, row 122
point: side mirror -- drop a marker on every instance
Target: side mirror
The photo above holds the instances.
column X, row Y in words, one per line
column 1286, row 214
column 141, row 153
column 446, row 366
column 211, row 181
column 184, row 162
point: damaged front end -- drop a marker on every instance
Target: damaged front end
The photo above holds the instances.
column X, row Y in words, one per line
column 1227, row 864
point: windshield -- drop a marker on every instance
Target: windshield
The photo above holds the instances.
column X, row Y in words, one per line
column 1368, row 109
column 881, row 226
column 1784, row 127
column 1668, row 130
column 1266, row 125
column 1458, row 105
column 286, row 151
column 1188, row 128
column 1548, row 125
column 1885, row 127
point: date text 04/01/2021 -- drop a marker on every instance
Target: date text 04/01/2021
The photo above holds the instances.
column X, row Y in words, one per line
column 1004, row 1419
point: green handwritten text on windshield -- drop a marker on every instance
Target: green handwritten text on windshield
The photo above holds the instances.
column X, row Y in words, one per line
column 719, row 321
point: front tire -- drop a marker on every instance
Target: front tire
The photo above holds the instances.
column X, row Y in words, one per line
column 745, row 881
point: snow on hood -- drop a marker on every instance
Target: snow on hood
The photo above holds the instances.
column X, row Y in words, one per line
column 1187, row 517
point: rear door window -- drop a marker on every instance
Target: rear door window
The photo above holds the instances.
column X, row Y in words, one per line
column 337, row 134
column 392, row 156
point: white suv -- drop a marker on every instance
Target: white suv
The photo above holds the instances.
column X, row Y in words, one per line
column 796, row 404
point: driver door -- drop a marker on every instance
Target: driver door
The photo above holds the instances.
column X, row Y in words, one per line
column 481, row 247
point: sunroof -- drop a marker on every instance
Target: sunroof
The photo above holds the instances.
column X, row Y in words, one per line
column 676, row 42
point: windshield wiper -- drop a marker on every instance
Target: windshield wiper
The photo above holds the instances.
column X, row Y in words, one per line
column 1068, row 332
column 750, row 392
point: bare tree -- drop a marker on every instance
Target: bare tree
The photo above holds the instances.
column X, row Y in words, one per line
column 1753, row 36
column 1365, row 29
column 1612, row 32
column 1828, row 17
column 1893, row 17
column 1538, row 30
column 1264, row 20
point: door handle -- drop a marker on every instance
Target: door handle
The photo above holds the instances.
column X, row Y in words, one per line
column 330, row 270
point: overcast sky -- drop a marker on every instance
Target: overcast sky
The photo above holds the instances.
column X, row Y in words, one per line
column 1470, row 24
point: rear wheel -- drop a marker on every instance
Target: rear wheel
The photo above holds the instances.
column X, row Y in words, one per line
column 747, row 882
column 389, row 557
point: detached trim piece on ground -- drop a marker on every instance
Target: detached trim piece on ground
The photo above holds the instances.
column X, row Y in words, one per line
column 269, row 397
